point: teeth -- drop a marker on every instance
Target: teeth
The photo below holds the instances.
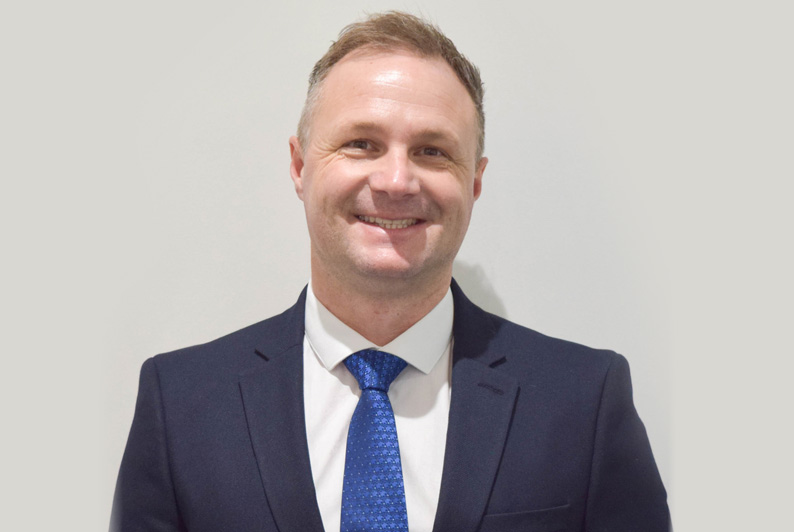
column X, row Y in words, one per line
column 389, row 224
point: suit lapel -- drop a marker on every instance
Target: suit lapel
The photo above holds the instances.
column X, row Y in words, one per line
column 481, row 411
column 273, row 402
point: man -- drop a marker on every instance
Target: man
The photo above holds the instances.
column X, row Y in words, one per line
column 481, row 424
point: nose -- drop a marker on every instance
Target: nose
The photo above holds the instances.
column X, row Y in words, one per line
column 395, row 175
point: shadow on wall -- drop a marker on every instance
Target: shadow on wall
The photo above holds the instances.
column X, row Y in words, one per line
column 476, row 286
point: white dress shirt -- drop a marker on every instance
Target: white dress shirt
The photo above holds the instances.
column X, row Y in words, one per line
column 420, row 398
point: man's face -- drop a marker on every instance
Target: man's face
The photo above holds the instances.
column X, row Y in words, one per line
column 389, row 176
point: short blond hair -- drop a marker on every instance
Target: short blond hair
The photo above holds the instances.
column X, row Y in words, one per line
column 395, row 30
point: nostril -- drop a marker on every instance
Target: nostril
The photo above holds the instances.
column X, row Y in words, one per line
column 394, row 184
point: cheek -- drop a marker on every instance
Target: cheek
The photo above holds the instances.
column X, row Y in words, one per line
column 326, row 199
column 455, row 198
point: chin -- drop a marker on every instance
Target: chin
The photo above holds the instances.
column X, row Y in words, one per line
column 393, row 268
column 397, row 269
column 389, row 271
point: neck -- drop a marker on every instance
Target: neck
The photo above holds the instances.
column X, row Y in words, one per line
column 379, row 311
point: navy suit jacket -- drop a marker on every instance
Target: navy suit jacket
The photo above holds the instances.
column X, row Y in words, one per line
column 543, row 436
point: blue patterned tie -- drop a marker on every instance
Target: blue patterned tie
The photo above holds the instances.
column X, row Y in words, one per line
column 373, row 496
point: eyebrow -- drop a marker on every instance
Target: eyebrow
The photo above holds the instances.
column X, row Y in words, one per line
column 364, row 127
column 426, row 134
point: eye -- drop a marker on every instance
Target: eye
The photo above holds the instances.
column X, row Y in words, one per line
column 359, row 144
column 430, row 151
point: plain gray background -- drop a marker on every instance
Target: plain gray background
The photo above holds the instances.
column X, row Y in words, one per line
column 638, row 198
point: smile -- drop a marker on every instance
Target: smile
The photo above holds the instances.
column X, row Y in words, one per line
column 389, row 224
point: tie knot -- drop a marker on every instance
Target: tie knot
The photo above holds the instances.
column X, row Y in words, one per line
column 374, row 369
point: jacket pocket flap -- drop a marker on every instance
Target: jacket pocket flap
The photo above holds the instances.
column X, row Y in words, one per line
column 546, row 520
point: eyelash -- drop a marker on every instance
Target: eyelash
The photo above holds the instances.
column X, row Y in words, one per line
column 354, row 144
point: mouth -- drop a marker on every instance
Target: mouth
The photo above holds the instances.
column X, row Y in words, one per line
column 385, row 223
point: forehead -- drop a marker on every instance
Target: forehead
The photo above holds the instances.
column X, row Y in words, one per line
column 376, row 85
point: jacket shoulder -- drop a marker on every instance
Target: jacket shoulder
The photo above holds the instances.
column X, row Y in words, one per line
column 521, row 338
column 240, row 351
column 500, row 342
column 477, row 331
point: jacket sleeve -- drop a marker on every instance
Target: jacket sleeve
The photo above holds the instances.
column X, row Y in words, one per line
column 626, row 492
column 145, row 498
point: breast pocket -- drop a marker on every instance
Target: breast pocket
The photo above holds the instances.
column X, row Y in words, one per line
column 547, row 520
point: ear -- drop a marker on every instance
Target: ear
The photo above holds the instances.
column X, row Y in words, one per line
column 478, row 176
column 296, row 165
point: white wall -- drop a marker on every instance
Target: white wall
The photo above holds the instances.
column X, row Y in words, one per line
column 638, row 198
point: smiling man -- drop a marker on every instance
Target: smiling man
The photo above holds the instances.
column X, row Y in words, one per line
column 388, row 171
column 384, row 399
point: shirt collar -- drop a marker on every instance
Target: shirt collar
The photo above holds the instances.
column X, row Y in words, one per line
column 421, row 345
